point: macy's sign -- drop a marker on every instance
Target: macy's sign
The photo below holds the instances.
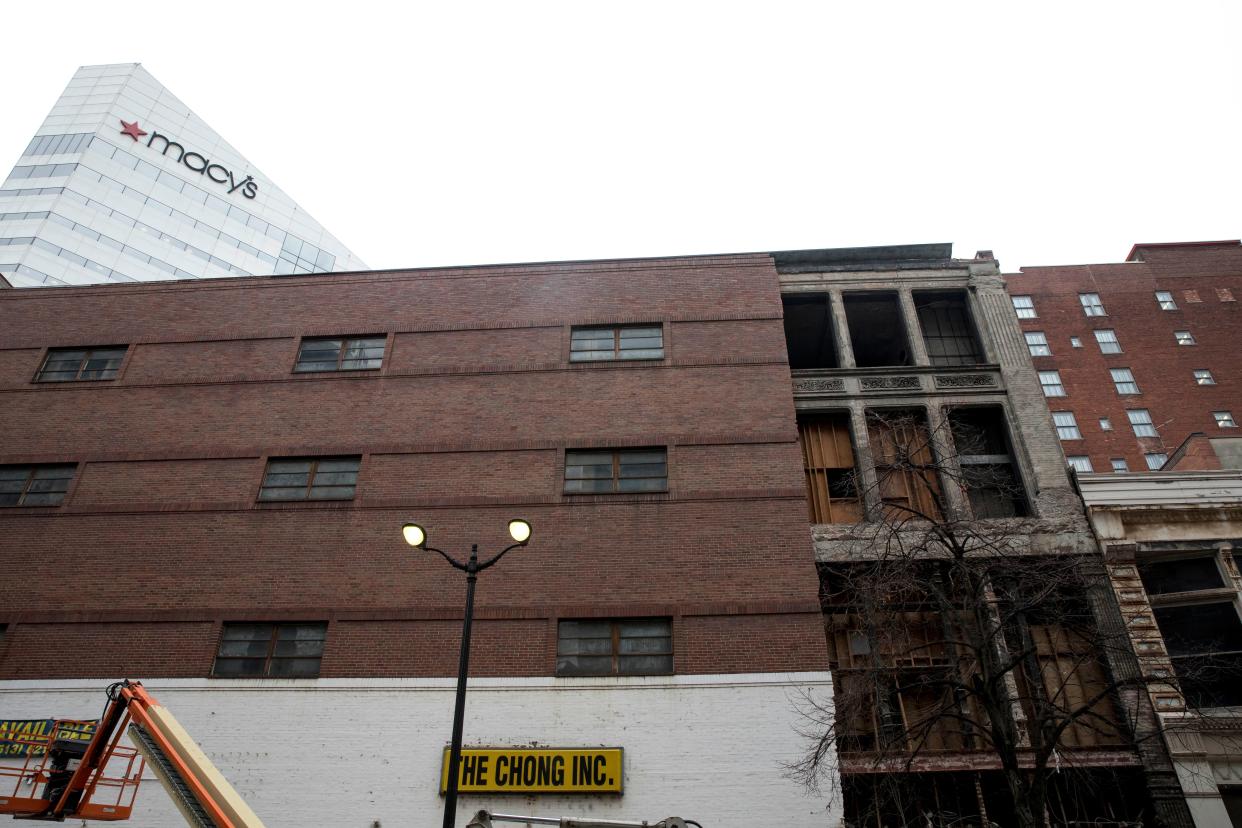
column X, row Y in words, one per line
column 194, row 161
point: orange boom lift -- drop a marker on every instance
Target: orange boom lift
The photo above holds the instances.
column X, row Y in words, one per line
column 74, row 774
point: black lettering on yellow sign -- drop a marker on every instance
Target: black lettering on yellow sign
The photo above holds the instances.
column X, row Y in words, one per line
column 537, row 770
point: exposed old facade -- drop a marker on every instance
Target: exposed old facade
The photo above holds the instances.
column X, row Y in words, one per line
column 921, row 420
column 1170, row 540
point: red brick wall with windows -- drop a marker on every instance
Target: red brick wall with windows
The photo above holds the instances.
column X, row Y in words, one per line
column 160, row 539
column 1205, row 281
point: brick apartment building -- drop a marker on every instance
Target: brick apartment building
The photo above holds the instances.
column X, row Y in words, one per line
column 202, row 485
column 1138, row 357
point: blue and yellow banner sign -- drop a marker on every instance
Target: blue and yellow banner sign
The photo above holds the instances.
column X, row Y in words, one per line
column 536, row 770
column 16, row 735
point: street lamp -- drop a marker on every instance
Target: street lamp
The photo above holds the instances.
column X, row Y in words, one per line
column 416, row 536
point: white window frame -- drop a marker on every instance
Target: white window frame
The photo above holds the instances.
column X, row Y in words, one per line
column 1155, row 459
column 1128, row 381
column 1224, row 419
column 1164, row 298
column 1066, row 425
column 1119, row 465
column 1184, row 337
column 1106, row 424
column 1025, row 310
column 1204, row 377
column 1091, row 304
column 1075, row 342
column 1106, row 338
column 1058, row 387
column 1140, row 421
column 1037, row 343
column 1079, row 463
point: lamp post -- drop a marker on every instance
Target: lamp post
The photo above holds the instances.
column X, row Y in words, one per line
column 416, row 536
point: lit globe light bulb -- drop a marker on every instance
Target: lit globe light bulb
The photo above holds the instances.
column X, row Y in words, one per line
column 519, row 530
column 414, row 535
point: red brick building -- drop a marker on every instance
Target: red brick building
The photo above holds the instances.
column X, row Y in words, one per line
column 1138, row 356
column 204, row 485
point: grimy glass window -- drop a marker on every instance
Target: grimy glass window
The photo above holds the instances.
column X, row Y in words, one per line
column 988, row 470
column 828, row 460
column 1140, row 419
column 341, row 353
column 809, row 335
column 310, row 478
column 75, row 364
column 1155, row 460
column 35, row 485
column 1123, row 380
column 273, row 650
column 1067, row 426
column 1165, row 300
column 1107, row 339
column 616, row 647
column 616, row 470
column 1119, row 464
column 1204, row 377
column 616, row 342
column 948, row 331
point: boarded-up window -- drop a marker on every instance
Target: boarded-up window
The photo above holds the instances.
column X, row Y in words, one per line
column 905, row 465
column 828, row 458
column 1072, row 677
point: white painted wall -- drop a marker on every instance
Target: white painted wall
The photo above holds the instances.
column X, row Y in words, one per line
column 360, row 753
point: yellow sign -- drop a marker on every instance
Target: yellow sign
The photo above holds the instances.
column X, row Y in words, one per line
column 536, row 770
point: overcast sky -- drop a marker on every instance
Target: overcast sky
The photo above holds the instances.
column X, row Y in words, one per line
column 466, row 133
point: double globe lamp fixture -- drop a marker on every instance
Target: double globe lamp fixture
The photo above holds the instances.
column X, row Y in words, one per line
column 416, row 536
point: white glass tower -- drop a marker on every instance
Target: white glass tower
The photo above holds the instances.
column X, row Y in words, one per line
column 123, row 183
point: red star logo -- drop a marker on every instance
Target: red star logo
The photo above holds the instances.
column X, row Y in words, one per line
column 131, row 130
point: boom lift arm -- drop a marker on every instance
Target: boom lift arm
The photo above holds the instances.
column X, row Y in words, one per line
column 204, row 797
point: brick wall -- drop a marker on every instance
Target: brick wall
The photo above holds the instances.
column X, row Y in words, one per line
column 1163, row 369
column 463, row 427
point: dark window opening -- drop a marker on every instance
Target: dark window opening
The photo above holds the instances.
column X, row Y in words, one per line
column 1181, row 575
column 989, row 473
column 615, row 647
column 905, row 464
column 948, row 331
column 617, row 342
column 271, row 650
column 877, row 329
column 828, row 459
column 1204, row 642
column 337, row 354
column 809, row 333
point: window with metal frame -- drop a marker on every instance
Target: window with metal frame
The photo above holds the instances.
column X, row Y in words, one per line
column 81, row 364
column 597, row 344
column 1079, row 463
column 42, row 485
column 1091, row 304
column 1106, row 338
column 1037, row 343
column 1075, row 342
column 615, row 647
column 310, row 478
column 1204, row 377
column 1119, row 464
column 328, row 353
column 1165, row 299
column 1195, row 607
column 1184, row 337
column 1140, row 420
column 1155, row 460
column 1224, row 419
column 1067, row 426
column 1123, row 381
column 602, row 471
column 1050, row 381
column 290, row 650
column 1024, row 307
column 948, row 331
column 1106, row 424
